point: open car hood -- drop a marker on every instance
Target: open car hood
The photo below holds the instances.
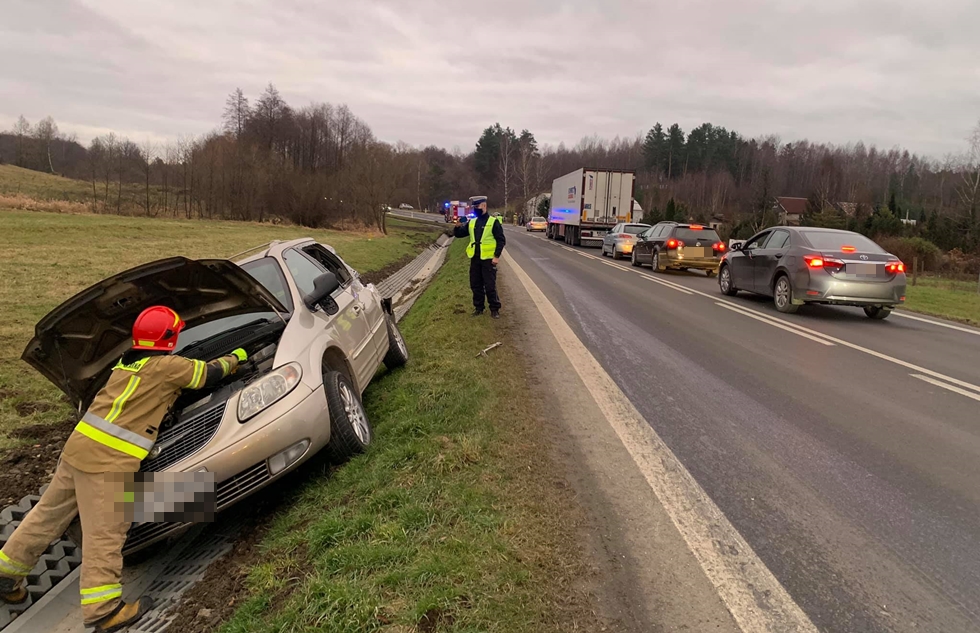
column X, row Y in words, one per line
column 76, row 345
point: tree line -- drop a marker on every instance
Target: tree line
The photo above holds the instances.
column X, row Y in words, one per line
column 320, row 165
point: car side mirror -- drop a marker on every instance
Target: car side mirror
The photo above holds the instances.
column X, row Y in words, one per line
column 736, row 247
column 323, row 287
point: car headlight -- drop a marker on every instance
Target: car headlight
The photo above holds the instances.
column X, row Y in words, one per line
column 268, row 390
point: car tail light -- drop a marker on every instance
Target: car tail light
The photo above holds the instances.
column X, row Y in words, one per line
column 672, row 244
column 720, row 246
column 696, row 227
column 817, row 261
column 848, row 249
column 895, row 267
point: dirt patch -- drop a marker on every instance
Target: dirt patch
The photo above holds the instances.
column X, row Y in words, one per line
column 377, row 276
column 24, row 469
column 214, row 599
column 7, row 393
column 25, row 409
column 432, row 618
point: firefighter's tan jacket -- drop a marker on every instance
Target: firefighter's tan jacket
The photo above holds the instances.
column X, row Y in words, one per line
column 121, row 426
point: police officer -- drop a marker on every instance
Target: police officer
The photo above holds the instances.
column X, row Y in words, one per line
column 114, row 435
column 486, row 244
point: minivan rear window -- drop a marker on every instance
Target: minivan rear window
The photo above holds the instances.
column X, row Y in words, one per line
column 697, row 235
column 835, row 240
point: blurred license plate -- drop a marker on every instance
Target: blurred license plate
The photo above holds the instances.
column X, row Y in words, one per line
column 865, row 270
column 694, row 251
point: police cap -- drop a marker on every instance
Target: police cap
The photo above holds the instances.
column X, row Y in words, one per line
column 475, row 200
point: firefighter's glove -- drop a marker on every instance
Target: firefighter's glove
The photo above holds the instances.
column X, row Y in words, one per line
column 240, row 354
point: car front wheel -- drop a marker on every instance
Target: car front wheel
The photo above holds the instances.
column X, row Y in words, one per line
column 725, row 282
column 783, row 296
column 397, row 354
column 350, row 431
column 877, row 312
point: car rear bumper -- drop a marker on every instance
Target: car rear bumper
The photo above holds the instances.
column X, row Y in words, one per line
column 825, row 289
column 241, row 468
column 625, row 248
column 698, row 263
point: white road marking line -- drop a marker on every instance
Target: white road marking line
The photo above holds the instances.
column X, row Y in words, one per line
column 939, row 383
column 773, row 323
column 672, row 287
column 834, row 339
column 905, row 315
column 755, row 598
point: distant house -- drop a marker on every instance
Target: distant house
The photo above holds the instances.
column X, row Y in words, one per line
column 717, row 221
column 847, row 208
column 789, row 210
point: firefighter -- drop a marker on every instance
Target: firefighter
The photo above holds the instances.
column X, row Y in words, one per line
column 487, row 241
column 113, row 436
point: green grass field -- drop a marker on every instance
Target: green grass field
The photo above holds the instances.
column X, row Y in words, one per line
column 450, row 522
column 48, row 257
column 17, row 181
column 955, row 300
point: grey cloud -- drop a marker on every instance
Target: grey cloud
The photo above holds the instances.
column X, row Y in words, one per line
column 437, row 72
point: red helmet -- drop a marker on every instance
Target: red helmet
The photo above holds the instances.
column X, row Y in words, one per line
column 157, row 328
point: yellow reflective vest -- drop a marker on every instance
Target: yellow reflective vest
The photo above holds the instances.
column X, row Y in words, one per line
column 488, row 243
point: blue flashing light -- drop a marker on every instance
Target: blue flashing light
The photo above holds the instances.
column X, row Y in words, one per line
column 447, row 205
column 471, row 215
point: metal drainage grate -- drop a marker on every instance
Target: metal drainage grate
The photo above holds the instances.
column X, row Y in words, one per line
column 184, row 439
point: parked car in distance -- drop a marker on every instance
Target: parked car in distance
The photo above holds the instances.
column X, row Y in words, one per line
column 315, row 338
column 620, row 240
column 405, row 206
column 537, row 223
column 670, row 245
column 800, row 265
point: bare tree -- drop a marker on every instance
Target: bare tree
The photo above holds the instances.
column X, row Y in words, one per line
column 508, row 144
column 969, row 190
column 22, row 132
column 236, row 113
column 46, row 131
column 527, row 156
column 146, row 155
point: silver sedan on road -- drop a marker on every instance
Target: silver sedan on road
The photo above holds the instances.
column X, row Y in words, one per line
column 621, row 239
column 800, row 265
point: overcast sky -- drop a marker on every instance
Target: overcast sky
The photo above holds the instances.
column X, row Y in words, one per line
column 897, row 72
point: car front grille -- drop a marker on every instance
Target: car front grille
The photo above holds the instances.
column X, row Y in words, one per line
column 228, row 492
column 184, row 439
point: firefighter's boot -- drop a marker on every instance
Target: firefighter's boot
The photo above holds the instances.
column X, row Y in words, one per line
column 12, row 591
column 124, row 615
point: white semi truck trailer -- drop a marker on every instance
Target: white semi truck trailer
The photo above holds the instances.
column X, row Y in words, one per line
column 586, row 203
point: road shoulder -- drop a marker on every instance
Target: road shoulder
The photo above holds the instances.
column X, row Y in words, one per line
column 647, row 578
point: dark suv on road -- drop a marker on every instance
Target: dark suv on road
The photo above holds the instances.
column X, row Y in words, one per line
column 679, row 246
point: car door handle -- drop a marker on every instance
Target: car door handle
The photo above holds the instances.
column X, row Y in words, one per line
column 778, row 256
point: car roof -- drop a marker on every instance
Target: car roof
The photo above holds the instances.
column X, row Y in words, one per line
column 273, row 248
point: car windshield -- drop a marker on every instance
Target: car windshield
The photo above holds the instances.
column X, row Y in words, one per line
column 635, row 229
column 194, row 335
column 267, row 272
column 697, row 235
column 835, row 240
column 538, row 218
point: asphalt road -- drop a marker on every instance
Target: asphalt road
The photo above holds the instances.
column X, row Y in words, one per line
column 845, row 451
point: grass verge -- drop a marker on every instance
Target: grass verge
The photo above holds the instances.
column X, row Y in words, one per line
column 453, row 520
column 48, row 257
column 954, row 300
